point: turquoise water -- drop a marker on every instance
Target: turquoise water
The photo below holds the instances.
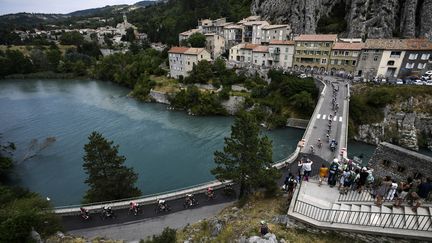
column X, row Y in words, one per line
column 169, row 150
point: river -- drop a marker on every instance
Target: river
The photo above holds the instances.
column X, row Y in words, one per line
column 168, row 149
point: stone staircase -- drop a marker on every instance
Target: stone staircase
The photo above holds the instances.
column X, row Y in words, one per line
column 325, row 208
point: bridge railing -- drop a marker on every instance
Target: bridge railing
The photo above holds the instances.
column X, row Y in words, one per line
column 167, row 195
column 364, row 218
column 147, row 199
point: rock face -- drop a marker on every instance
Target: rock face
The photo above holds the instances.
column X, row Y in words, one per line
column 365, row 18
column 402, row 125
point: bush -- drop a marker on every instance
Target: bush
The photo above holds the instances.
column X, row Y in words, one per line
column 168, row 236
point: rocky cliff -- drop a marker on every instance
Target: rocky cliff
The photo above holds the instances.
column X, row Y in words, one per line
column 403, row 124
column 364, row 18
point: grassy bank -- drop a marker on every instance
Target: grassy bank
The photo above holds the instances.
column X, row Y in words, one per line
column 245, row 222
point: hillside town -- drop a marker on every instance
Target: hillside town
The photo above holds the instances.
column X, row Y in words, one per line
column 258, row 44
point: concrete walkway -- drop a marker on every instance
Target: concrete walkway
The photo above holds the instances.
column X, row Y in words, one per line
column 133, row 231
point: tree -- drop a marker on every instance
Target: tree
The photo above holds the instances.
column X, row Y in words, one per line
column 130, row 35
column 71, row 38
column 197, row 40
column 246, row 158
column 303, row 102
column 108, row 178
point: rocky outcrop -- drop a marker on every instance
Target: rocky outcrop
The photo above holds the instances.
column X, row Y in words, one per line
column 403, row 124
column 365, row 18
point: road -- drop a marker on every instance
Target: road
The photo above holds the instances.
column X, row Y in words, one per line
column 321, row 121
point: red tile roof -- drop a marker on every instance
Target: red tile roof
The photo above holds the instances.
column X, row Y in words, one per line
column 281, row 42
column 260, row 49
column 316, row 38
column 249, row 46
column 398, row 44
column 178, row 49
column 348, row 46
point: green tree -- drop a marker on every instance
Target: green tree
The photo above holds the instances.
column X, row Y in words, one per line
column 130, row 35
column 71, row 38
column 246, row 157
column 108, row 178
column 197, row 40
column 54, row 56
column 6, row 162
column 303, row 102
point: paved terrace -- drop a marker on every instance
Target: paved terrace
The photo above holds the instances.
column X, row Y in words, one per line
column 325, row 208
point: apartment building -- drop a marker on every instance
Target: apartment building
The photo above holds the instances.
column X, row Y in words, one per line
column 242, row 53
column 344, row 57
column 282, row 53
column 182, row 60
column 213, row 26
column 233, row 35
column 252, row 31
column 275, row 32
column 261, row 56
column 417, row 59
column 215, row 44
column 312, row 52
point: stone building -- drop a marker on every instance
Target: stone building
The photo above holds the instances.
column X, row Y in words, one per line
column 215, row 44
column 344, row 57
column 212, row 26
column 272, row 32
column 312, row 52
column 399, row 163
column 370, row 59
column 233, row 35
column 418, row 58
column 182, row 60
column 282, row 53
column 252, row 31
column 242, row 53
column 261, row 56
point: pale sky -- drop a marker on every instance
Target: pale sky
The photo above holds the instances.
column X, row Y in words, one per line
column 55, row 6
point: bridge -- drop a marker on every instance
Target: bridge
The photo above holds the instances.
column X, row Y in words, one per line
column 310, row 202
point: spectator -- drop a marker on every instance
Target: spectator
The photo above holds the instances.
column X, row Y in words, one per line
column 323, row 173
column 382, row 190
column 263, row 228
column 307, row 167
column 333, row 173
column 423, row 193
column 392, row 191
column 362, row 179
column 404, row 187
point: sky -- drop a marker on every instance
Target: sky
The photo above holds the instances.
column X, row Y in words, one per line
column 55, row 6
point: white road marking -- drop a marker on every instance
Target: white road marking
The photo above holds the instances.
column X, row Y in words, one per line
column 324, row 116
column 319, row 115
column 340, row 119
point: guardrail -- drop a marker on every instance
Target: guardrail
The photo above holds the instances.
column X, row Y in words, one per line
column 373, row 219
column 366, row 196
column 168, row 195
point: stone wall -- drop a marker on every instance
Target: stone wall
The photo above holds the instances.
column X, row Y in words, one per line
column 159, row 97
column 399, row 163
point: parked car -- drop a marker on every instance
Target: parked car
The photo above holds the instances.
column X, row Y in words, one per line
column 399, row 81
column 302, row 75
column 428, row 72
column 418, row 82
column 428, row 83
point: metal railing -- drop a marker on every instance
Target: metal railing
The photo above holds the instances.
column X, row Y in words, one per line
column 372, row 219
column 367, row 196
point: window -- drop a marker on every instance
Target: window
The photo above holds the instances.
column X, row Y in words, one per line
column 323, row 61
column 327, row 44
column 413, row 56
column 312, row 45
column 354, row 62
column 339, row 62
column 390, row 63
column 347, row 53
column 335, row 53
column 364, row 56
column 325, row 53
column 286, row 57
column 318, row 52
column 421, row 65
column 355, row 54
column 332, row 62
column 409, row 65
column 188, row 63
column 286, row 49
column 346, row 62
column 375, row 58
column 425, row 56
